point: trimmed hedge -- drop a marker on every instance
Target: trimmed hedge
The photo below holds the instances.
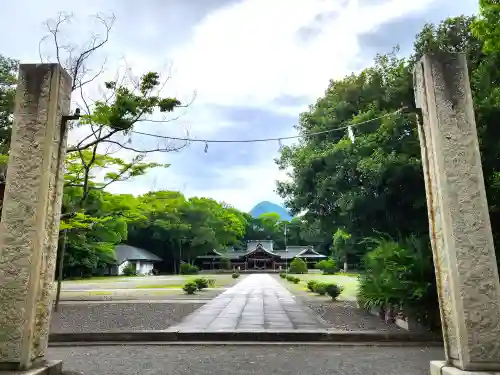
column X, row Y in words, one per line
column 311, row 284
column 190, row 287
column 333, row 290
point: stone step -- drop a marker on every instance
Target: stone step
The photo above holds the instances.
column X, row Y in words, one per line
column 275, row 335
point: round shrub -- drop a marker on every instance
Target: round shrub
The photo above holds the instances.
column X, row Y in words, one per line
column 201, row 283
column 188, row 269
column 320, row 288
column 190, row 287
column 298, row 266
column 235, row 275
column 295, row 280
column 289, row 278
column 211, row 282
column 328, row 266
column 129, row 270
column 225, row 263
column 311, row 284
column 283, row 275
column 333, row 290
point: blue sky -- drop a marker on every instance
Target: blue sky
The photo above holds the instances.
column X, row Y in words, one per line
column 254, row 65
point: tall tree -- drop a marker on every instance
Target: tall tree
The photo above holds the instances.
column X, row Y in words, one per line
column 376, row 183
column 8, row 79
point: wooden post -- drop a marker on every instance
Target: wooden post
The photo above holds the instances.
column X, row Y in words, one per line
column 461, row 237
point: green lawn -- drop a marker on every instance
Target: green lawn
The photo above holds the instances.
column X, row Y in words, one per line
column 150, row 282
column 220, row 280
column 100, row 279
column 349, row 282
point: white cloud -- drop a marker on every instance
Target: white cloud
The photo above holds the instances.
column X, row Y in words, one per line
column 259, row 183
column 246, row 54
column 249, row 53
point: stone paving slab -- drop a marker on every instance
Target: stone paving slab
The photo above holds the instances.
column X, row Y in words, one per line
column 258, row 302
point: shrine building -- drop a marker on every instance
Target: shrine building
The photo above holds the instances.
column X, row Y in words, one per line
column 259, row 255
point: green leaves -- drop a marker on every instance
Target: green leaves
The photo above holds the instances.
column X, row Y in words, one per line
column 129, row 105
column 8, row 80
column 399, row 274
column 77, row 164
column 346, row 184
column 486, row 27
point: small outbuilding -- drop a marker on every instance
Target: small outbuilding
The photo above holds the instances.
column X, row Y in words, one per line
column 143, row 260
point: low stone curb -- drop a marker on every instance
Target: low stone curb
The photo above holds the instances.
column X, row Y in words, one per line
column 173, row 335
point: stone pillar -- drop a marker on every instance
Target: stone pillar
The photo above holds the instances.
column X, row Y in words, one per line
column 462, row 242
column 31, row 212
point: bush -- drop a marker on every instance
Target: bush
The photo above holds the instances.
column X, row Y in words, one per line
column 235, row 275
column 211, row 283
column 400, row 275
column 320, row 288
column 190, row 287
column 333, row 290
column 225, row 263
column 311, row 284
column 293, row 279
column 201, row 283
column 283, row 275
column 188, row 269
column 130, row 270
column 298, row 266
column 328, row 266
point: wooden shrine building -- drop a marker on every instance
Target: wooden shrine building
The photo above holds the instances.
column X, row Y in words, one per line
column 259, row 255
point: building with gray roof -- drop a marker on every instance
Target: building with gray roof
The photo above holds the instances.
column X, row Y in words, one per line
column 141, row 259
column 260, row 255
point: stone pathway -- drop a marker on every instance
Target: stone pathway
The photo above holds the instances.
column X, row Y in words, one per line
column 256, row 303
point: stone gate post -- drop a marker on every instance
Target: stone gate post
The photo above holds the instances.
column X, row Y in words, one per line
column 461, row 237
column 30, row 214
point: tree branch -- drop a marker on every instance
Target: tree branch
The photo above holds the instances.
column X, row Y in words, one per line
column 157, row 149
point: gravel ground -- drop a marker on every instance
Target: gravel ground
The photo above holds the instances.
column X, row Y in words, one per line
column 140, row 294
column 343, row 315
column 245, row 360
column 101, row 317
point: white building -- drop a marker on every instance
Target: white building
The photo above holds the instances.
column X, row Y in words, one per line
column 142, row 259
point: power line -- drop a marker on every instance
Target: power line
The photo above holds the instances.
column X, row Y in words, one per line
column 206, row 141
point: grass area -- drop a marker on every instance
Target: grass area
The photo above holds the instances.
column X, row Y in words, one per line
column 349, row 282
column 100, row 279
column 100, row 293
column 150, row 282
column 220, row 280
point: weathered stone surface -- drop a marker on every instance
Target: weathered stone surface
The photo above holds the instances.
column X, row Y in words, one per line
column 464, row 255
column 30, row 202
column 442, row 368
column 51, row 238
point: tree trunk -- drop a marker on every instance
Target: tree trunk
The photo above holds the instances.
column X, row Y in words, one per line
column 62, row 246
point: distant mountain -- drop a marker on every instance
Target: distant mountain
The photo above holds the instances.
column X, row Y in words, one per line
column 268, row 207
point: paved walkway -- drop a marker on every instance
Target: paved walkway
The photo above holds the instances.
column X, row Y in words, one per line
column 258, row 302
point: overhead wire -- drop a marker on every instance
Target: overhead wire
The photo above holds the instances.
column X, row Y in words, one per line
column 279, row 139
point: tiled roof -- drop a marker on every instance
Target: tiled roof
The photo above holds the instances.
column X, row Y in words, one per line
column 126, row 252
column 289, row 253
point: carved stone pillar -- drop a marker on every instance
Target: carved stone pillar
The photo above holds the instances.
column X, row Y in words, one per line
column 462, row 242
column 30, row 215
